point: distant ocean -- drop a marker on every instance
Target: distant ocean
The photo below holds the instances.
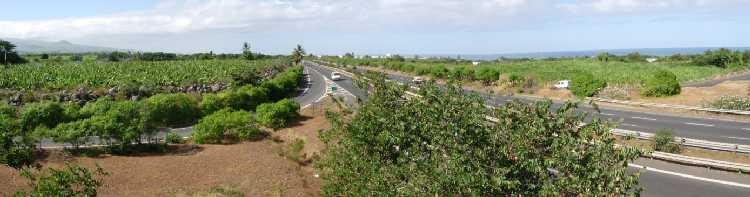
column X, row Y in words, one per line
column 559, row 54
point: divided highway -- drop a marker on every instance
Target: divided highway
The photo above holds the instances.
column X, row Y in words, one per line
column 726, row 131
column 667, row 179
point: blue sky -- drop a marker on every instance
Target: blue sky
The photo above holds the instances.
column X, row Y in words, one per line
column 382, row 26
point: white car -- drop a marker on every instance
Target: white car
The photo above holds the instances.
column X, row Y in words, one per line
column 564, row 84
column 335, row 76
column 417, row 80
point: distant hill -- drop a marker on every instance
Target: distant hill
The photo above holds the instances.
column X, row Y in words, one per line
column 35, row 47
column 558, row 54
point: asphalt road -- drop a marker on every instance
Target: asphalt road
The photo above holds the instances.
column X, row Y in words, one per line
column 713, row 82
column 667, row 180
column 697, row 128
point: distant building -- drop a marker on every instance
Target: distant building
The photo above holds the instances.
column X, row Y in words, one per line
column 651, row 60
column 475, row 63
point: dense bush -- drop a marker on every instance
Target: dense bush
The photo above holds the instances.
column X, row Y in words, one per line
column 173, row 138
column 661, row 83
column 731, row 102
column 284, row 83
column 442, row 144
column 276, row 115
column 664, row 141
column 247, row 98
column 16, row 150
column 72, row 180
column 7, row 110
column 225, row 125
column 486, row 74
column 171, row 109
column 584, row 84
column 211, row 103
column 47, row 114
column 721, row 58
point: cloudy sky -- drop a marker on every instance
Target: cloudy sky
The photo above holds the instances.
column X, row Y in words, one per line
column 381, row 26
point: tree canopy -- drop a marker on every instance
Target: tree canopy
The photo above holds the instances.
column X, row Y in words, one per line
column 8, row 54
column 443, row 144
column 298, row 54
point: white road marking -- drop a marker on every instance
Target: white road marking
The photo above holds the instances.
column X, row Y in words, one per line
column 736, row 138
column 607, row 114
column 746, row 129
column 630, row 125
column 699, row 124
column 690, row 176
column 644, row 118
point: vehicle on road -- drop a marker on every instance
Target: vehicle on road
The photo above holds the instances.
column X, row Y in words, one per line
column 335, row 76
column 417, row 80
column 564, row 84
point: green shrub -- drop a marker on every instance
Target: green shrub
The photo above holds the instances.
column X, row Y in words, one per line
column 173, row 138
column 661, row 83
column 664, row 141
column 171, row 109
column 276, row 115
column 249, row 97
column 98, row 107
column 7, row 110
column 284, row 83
column 225, row 124
column 486, row 74
column 731, row 102
column 13, row 152
column 584, row 84
column 47, row 114
column 73, row 180
column 211, row 103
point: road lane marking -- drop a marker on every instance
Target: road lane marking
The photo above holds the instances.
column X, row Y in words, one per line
column 699, row 124
column 644, row 118
column 689, row 176
column 607, row 114
column 630, row 125
column 737, row 138
column 746, row 129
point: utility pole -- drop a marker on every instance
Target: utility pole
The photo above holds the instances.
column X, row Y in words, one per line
column 5, row 58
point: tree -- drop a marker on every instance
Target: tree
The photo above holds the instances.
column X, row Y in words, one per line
column 246, row 53
column 661, row 83
column 635, row 57
column 225, row 124
column 8, row 54
column 486, row 74
column 72, row 180
column 298, row 54
column 603, row 57
column 443, row 145
column 584, row 84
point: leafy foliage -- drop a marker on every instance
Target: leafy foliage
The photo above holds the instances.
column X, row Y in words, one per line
column 47, row 114
column 171, row 109
column 72, row 180
column 284, row 83
column 8, row 54
column 442, row 144
column 225, row 124
column 13, row 152
column 731, row 102
column 276, row 115
column 487, row 74
column 298, row 54
column 584, row 84
column 664, row 141
column 662, row 83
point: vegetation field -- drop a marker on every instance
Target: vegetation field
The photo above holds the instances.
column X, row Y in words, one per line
column 90, row 74
column 632, row 69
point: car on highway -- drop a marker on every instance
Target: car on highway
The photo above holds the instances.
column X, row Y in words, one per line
column 417, row 80
column 564, row 84
column 335, row 76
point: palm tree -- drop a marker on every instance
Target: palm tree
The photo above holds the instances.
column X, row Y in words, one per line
column 298, row 54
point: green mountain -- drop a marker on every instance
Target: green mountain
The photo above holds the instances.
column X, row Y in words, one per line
column 25, row 46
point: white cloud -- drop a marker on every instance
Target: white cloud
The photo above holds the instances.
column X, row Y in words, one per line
column 620, row 6
column 179, row 16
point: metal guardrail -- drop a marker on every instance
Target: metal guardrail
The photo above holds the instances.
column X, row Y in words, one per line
column 720, row 146
column 710, row 163
column 671, row 106
column 724, row 165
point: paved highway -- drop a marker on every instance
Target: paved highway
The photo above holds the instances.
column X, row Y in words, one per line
column 697, row 128
column 663, row 179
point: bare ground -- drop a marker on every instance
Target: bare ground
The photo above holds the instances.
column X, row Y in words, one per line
column 253, row 168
